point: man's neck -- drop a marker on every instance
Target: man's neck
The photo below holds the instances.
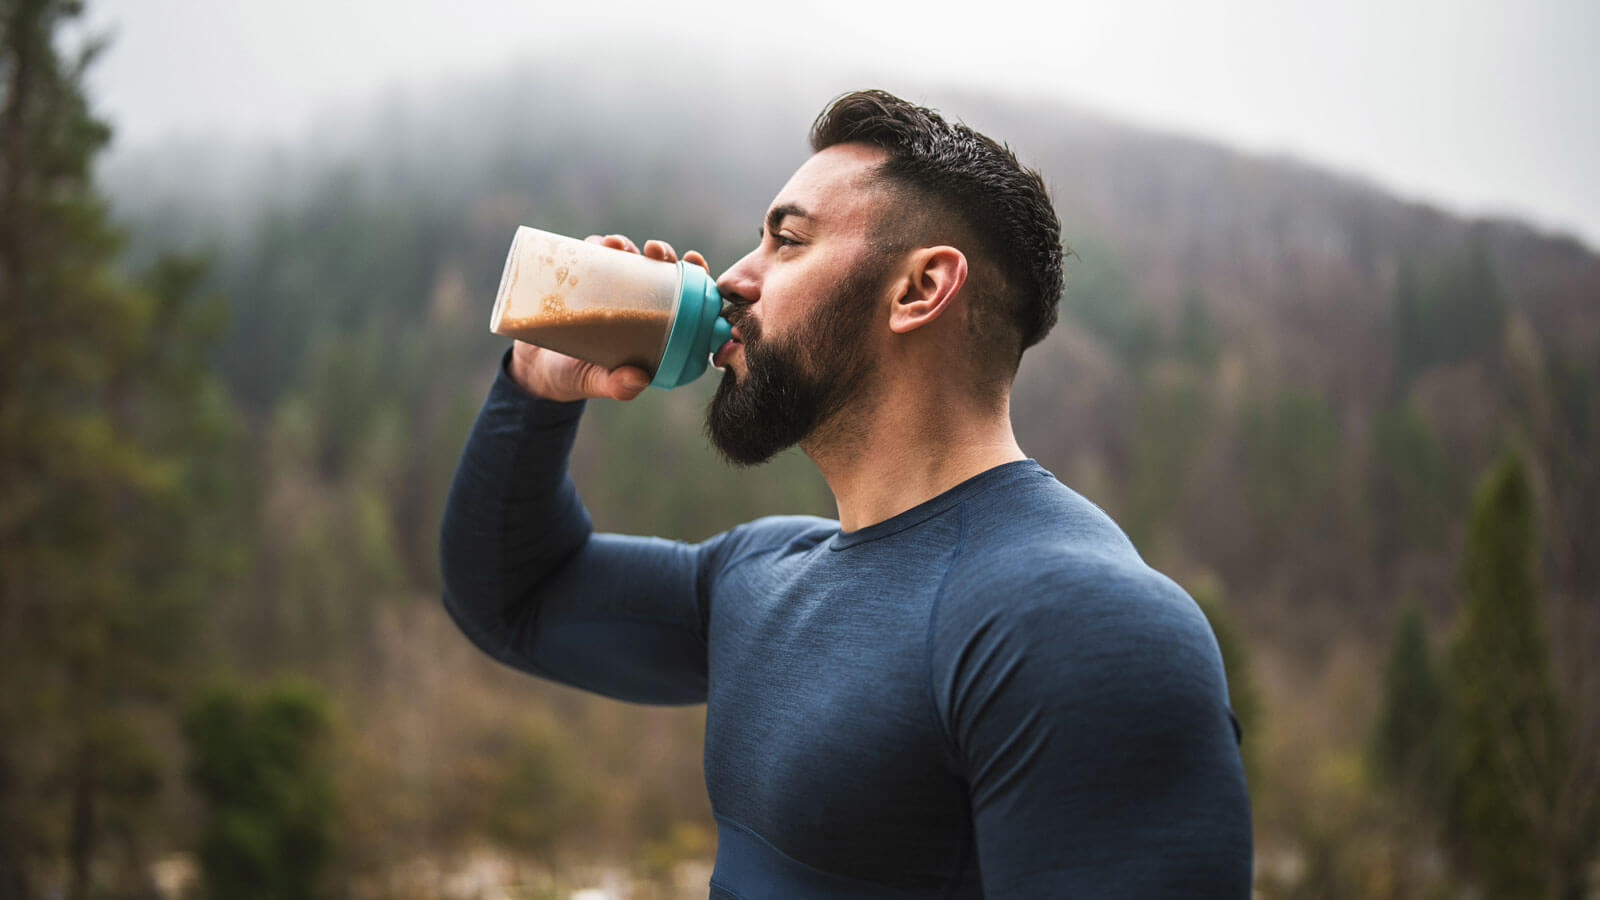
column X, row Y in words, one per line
column 903, row 447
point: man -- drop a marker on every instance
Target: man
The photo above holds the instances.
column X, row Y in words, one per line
column 970, row 684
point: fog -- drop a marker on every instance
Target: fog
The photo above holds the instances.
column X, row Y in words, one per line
column 1482, row 107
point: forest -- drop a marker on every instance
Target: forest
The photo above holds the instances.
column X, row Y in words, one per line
column 234, row 382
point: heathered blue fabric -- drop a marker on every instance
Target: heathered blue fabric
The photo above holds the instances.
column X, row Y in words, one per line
column 988, row 695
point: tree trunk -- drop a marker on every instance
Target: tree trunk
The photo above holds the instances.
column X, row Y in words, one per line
column 13, row 877
column 81, row 838
column 18, row 32
column 21, row 40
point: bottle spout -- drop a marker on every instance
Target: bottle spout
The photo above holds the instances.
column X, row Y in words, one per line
column 697, row 330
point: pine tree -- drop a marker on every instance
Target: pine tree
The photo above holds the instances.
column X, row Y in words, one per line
column 1197, row 337
column 1509, row 734
column 1468, row 310
column 1242, row 695
column 1412, row 352
column 258, row 760
column 1412, row 486
column 111, row 432
column 1408, row 749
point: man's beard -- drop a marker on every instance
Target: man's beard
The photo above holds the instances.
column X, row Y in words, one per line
column 799, row 382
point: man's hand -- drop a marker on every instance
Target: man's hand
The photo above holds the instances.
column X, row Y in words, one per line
column 554, row 376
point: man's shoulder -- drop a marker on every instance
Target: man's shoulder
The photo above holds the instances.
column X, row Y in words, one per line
column 781, row 529
column 1054, row 562
column 1036, row 513
column 1056, row 580
column 771, row 533
column 1061, row 616
column 1041, row 539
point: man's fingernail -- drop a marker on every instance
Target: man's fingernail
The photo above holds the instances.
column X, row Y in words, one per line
column 635, row 382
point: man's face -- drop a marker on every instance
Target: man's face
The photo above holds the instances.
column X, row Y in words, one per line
column 804, row 305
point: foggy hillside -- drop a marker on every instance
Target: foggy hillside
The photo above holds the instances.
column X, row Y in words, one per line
column 1292, row 272
column 1257, row 233
column 1294, row 269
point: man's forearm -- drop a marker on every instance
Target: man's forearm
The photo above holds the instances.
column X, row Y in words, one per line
column 512, row 516
column 530, row 583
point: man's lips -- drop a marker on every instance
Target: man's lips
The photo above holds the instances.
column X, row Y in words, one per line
column 725, row 352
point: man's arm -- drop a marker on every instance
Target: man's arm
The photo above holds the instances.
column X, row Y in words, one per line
column 1090, row 718
column 527, row 580
column 525, row 577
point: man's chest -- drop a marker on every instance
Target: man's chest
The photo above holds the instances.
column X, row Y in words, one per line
column 821, row 730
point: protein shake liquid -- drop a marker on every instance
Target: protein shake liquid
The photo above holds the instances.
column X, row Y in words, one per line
column 609, row 307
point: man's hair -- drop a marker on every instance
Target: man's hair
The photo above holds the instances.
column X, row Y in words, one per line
column 972, row 187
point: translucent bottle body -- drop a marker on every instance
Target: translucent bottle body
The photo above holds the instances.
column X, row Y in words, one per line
column 604, row 306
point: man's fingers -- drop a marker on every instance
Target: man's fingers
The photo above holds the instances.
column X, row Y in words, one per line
column 653, row 249
column 627, row 382
column 591, row 380
column 621, row 383
column 614, row 241
column 660, row 250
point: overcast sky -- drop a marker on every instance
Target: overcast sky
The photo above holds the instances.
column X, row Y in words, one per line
column 1480, row 106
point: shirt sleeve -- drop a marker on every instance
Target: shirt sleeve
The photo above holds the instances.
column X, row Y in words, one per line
column 1089, row 717
column 528, row 581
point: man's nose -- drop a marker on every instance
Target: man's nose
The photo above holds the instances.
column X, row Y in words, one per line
column 739, row 284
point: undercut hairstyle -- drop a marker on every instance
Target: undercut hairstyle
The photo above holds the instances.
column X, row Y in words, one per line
column 950, row 183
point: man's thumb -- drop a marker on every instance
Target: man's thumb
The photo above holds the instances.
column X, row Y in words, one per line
column 633, row 381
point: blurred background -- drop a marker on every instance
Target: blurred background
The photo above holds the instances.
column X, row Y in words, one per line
column 1329, row 351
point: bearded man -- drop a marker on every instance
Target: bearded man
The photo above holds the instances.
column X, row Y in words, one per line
column 970, row 684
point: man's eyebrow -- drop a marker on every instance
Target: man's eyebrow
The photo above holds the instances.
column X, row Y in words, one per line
column 777, row 214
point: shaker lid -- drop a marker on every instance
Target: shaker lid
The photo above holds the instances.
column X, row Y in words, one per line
column 697, row 329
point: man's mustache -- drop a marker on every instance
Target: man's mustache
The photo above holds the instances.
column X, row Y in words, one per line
column 749, row 326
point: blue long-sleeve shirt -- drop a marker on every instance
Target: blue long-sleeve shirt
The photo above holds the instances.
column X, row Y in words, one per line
column 987, row 695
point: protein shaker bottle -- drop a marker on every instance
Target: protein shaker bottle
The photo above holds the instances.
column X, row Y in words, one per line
column 609, row 307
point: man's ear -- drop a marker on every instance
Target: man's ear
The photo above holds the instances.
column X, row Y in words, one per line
column 933, row 277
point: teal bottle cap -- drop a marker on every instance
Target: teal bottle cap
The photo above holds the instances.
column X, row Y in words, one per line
column 698, row 329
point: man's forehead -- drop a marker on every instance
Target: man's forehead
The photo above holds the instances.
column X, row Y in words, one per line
column 829, row 188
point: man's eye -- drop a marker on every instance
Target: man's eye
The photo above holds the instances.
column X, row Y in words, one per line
column 782, row 241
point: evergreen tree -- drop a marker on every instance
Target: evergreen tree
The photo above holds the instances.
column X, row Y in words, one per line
column 1507, row 743
column 1449, row 312
column 1104, row 300
column 111, row 432
column 1411, row 350
column 1291, row 447
column 258, row 761
column 1411, row 483
column 1242, row 695
column 1468, row 310
column 1197, row 337
column 1408, row 749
